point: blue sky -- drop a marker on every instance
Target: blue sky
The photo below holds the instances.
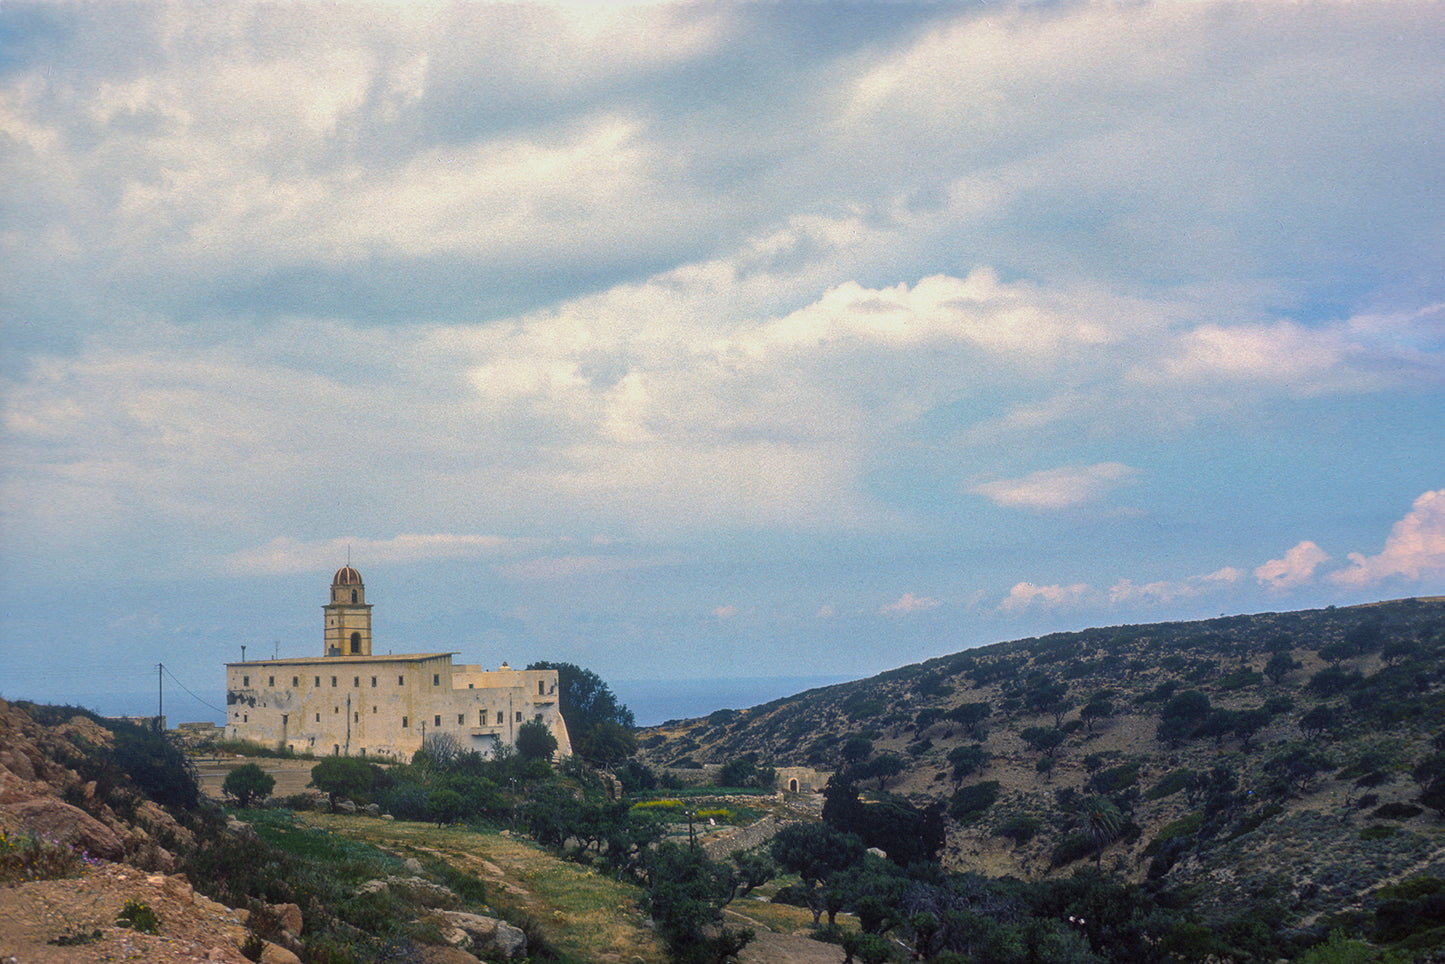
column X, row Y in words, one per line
column 708, row 340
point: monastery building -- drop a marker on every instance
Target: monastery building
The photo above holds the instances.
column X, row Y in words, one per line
column 349, row 702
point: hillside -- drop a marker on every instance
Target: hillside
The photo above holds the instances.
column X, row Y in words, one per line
column 1269, row 756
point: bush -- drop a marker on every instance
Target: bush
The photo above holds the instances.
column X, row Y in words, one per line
column 248, row 783
column 971, row 802
column 1171, row 783
column 342, row 776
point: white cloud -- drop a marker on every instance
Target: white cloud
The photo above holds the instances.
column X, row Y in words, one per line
column 1295, row 569
column 1060, row 488
column 1414, row 550
column 909, row 603
column 285, row 555
column 724, row 612
column 1025, row 595
column 1167, row 591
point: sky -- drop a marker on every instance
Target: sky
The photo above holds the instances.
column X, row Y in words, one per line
column 706, row 340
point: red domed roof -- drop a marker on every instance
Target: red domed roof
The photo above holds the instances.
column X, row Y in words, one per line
column 346, row 576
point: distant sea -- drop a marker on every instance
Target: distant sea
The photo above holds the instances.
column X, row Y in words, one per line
column 652, row 701
column 655, row 701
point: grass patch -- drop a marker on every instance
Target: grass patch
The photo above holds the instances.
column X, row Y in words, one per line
column 574, row 908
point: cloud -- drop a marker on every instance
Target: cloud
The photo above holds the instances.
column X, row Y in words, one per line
column 725, row 612
column 1025, row 595
column 1414, row 550
column 1295, row 569
column 552, row 568
column 1167, row 591
column 1061, row 488
column 909, row 603
column 286, row 555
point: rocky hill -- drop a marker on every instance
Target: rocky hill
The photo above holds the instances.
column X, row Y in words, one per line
column 1276, row 757
column 88, row 858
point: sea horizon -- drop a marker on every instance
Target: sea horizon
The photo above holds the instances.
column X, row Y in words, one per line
column 652, row 702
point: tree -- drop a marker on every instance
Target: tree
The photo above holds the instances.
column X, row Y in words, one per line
column 970, row 715
column 857, row 749
column 1095, row 710
column 1429, row 773
column 686, row 892
column 599, row 726
column 445, row 806
column 248, row 783
column 814, row 851
column 884, row 768
column 535, row 741
column 1101, row 823
column 1043, row 739
column 1280, row 665
column 968, row 760
column 1318, row 720
column 342, row 776
column 1181, row 716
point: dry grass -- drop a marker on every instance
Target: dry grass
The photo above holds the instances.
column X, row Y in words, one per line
column 585, row 915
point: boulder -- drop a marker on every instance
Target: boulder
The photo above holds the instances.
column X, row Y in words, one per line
column 487, row 934
column 57, row 819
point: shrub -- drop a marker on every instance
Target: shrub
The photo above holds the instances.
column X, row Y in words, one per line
column 1020, row 828
column 28, row 856
column 1397, row 811
column 1183, row 827
column 972, row 802
column 1171, row 783
column 248, row 783
column 1378, row 831
column 138, row 916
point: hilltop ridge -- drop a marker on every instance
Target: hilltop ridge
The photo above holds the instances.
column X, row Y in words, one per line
column 1268, row 754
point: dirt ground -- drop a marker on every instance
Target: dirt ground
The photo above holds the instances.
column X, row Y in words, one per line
column 57, row 921
column 291, row 775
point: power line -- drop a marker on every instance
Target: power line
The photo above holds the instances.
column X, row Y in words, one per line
column 193, row 695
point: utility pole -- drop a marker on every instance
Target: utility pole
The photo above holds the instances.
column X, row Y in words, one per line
column 160, row 698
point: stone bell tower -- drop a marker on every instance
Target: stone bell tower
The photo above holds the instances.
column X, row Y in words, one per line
column 348, row 616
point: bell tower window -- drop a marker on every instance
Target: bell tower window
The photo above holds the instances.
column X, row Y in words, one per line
column 356, row 642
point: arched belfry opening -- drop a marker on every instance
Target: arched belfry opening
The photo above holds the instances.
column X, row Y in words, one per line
column 347, row 616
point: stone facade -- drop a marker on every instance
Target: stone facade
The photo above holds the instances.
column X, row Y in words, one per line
column 349, row 702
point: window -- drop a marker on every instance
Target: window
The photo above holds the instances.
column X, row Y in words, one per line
column 335, row 710
column 356, row 681
column 541, row 687
column 355, row 643
column 270, row 681
column 437, row 720
column 373, row 710
column 373, row 682
column 538, row 717
column 333, row 681
column 244, row 718
column 436, row 679
column 245, row 681
column 401, row 681
column 519, row 716
column 318, row 681
column 500, row 720
column 403, row 722
column 295, row 682
column 318, row 717
column 460, row 719
column 353, row 595
column 482, row 718
column 356, row 716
